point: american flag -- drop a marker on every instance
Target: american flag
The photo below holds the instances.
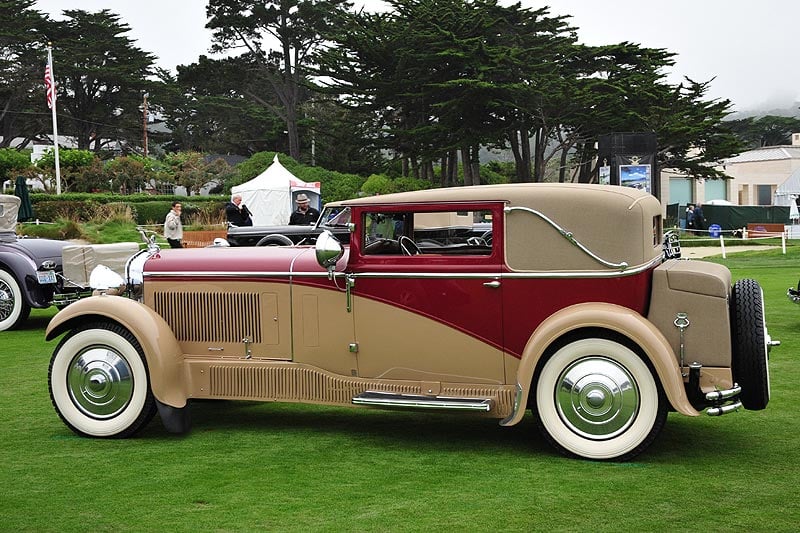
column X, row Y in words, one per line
column 50, row 86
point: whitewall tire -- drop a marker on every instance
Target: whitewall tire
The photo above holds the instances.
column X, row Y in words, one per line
column 99, row 382
column 597, row 399
column 13, row 307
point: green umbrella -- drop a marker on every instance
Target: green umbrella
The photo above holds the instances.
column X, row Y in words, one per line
column 25, row 207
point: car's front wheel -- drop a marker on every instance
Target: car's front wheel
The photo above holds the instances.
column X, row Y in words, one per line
column 596, row 398
column 99, row 382
column 13, row 308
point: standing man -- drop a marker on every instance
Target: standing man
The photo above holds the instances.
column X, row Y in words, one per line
column 173, row 229
column 699, row 218
column 304, row 215
column 237, row 212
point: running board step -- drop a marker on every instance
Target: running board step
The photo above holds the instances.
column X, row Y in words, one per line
column 388, row 399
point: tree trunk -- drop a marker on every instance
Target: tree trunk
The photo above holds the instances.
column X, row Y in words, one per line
column 452, row 168
column 562, row 169
column 513, row 141
column 466, row 164
column 524, row 136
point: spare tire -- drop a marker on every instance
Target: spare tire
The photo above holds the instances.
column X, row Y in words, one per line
column 749, row 335
column 275, row 239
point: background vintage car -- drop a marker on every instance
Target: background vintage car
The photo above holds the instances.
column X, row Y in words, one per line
column 564, row 305
column 23, row 264
column 37, row 273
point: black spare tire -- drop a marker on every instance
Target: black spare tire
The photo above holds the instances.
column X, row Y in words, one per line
column 750, row 360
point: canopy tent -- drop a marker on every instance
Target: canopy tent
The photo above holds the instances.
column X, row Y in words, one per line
column 788, row 191
column 270, row 195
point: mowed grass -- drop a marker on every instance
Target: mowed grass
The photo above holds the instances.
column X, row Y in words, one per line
column 284, row 467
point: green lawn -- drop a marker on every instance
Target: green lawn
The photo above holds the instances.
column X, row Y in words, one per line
column 283, row 467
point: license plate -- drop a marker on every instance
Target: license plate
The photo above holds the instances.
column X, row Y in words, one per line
column 46, row 276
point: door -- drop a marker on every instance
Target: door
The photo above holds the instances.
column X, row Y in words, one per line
column 427, row 293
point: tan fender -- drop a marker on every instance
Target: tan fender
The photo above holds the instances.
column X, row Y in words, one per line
column 159, row 344
column 614, row 318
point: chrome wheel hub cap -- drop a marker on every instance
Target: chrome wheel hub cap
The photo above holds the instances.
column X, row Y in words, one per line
column 6, row 301
column 597, row 398
column 100, row 382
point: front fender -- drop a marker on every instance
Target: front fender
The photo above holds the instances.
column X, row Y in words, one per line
column 23, row 269
column 161, row 349
column 614, row 318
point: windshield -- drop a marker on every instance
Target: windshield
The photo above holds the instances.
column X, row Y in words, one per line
column 335, row 217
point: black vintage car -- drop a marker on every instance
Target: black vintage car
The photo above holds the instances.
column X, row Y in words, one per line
column 37, row 273
column 29, row 268
column 429, row 230
column 334, row 220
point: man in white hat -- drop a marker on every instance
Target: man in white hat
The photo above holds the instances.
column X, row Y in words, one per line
column 304, row 215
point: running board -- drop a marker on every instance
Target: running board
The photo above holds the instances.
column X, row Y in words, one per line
column 413, row 401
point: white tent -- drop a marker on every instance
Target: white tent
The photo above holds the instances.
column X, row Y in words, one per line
column 788, row 191
column 270, row 195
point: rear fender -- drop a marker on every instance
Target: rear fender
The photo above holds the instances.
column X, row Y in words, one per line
column 161, row 349
column 613, row 318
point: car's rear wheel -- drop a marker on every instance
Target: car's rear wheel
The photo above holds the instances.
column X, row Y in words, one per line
column 750, row 365
column 99, row 382
column 596, row 398
column 13, row 308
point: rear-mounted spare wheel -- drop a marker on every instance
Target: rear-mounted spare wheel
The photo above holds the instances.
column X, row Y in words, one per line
column 750, row 363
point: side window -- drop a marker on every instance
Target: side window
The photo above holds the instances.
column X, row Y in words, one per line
column 382, row 232
column 428, row 233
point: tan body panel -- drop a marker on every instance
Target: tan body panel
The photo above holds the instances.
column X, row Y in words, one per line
column 614, row 318
column 161, row 350
column 701, row 290
column 398, row 344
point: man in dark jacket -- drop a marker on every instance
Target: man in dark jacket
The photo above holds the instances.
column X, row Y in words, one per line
column 304, row 215
column 237, row 212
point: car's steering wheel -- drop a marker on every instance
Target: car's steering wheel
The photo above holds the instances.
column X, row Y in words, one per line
column 408, row 246
column 484, row 240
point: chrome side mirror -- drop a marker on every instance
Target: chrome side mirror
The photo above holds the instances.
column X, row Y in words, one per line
column 328, row 250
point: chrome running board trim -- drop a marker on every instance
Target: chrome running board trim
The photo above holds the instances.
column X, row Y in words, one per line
column 413, row 401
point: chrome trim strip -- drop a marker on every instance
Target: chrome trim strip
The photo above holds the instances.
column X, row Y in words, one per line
column 568, row 235
column 388, row 399
column 414, row 275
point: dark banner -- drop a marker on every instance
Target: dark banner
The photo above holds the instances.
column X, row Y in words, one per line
column 731, row 217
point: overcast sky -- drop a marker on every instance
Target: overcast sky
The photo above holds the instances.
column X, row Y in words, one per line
column 748, row 47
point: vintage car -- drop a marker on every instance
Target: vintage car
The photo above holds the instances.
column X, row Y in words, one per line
column 566, row 306
column 286, row 235
column 38, row 273
column 794, row 294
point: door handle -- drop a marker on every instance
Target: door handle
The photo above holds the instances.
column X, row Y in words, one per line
column 492, row 284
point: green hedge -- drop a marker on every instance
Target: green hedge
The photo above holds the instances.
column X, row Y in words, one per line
column 145, row 208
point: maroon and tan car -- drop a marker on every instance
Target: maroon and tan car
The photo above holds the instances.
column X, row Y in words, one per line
column 565, row 306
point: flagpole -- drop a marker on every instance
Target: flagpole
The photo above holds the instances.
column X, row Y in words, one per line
column 55, row 120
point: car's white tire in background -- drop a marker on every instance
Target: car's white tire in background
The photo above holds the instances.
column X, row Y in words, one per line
column 13, row 308
column 597, row 399
column 99, row 382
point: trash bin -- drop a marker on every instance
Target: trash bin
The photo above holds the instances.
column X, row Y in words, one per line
column 714, row 230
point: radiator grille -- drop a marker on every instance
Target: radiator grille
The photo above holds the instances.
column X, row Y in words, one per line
column 211, row 317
